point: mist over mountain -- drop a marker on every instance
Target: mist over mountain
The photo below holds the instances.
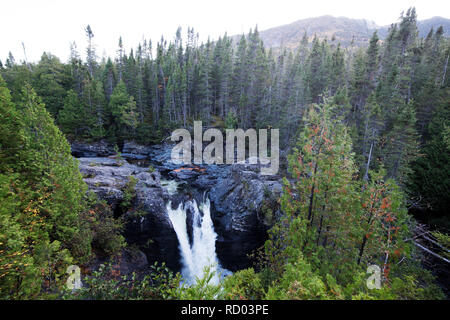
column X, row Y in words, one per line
column 341, row 29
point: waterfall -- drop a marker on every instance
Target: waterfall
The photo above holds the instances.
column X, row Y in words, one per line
column 202, row 252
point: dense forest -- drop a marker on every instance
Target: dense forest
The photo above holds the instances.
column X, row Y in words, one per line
column 365, row 131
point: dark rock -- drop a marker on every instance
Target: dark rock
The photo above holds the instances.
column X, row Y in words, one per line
column 237, row 192
column 132, row 261
column 133, row 156
column 184, row 173
column 149, row 179
column 127, row 262
column 204, row 182
column 106, row 177
column 148, row 225
column 237, row 201
column 161, row 154
column 130, row 147
column 151, row 229
column 96, row 149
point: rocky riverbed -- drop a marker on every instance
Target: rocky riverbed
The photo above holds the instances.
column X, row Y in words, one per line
column 243, row 202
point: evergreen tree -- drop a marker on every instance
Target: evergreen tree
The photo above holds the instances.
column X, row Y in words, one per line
column 90, row 52
column 71, row 118
column 430, row 179
column 41, row 191
column 51, row 82
column 123, row 110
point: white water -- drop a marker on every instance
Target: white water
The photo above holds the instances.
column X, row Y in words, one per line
column 202, row 253
column 170, row 185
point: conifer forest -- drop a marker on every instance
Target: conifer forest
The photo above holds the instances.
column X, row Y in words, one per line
column 92, row 208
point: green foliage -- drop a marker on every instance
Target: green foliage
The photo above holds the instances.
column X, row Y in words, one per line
column 129, row 194
column 47, row 224
column 51, row 80
column 444, row 240
column 42, row 192
column 243, row 285
column 123, row 111
column 10, row 129
column 107, row 284
column 71, row 118
column 298, row 282
column 430, row 179
column 203, row 289
column 231, row 120
column 334, row 226
column 47, row 166
column 100, row 232
column 387, row 103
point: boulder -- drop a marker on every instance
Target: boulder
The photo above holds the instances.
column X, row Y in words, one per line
column 184, row 173
column 106, row 177
column 149, row 179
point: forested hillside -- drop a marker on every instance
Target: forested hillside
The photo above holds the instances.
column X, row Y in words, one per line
column 367, row 130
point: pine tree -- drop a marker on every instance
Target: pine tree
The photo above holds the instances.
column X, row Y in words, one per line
column 370, row 136
column 383, row 220
column 100, row 111
column 123, row 110
column 48, row 164
column 321, row 198
column 71, row 118
column 90, row 52
column 430, row 180
column 317, row 69
column 51, row 81
column 109, row 78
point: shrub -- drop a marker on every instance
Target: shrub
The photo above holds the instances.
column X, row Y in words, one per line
column 106, row 283
column 243, row 285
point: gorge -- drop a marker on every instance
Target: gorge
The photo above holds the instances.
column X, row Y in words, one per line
column 189, row 217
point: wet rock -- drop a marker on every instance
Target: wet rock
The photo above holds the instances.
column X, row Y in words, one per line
column 149, row 179
column 133, row 156
column 161, row 156
column 242, row 199
column 134, row 151
column 184, row 173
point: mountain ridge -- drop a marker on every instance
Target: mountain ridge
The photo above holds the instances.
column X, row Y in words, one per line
column 343, row 29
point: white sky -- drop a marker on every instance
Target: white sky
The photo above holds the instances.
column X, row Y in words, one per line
column 50, row 25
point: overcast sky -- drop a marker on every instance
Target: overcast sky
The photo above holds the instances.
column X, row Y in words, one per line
column 50, row 25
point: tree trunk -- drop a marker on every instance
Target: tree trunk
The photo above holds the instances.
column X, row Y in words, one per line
column 366, row 174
